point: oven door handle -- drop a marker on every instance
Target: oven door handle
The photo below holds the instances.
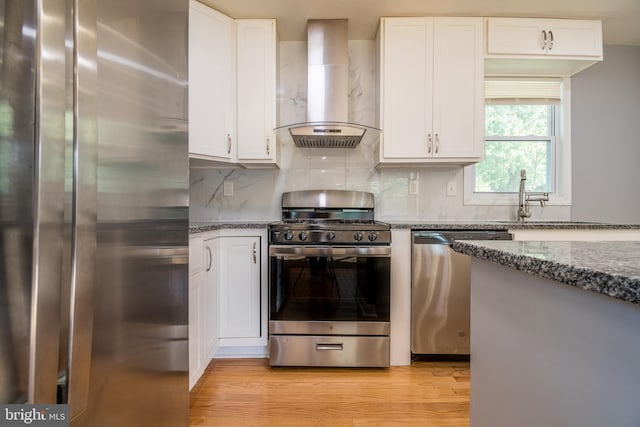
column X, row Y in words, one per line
column 359, row 251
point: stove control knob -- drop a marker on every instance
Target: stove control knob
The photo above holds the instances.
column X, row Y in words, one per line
column 331, row 235
column 373, row 236
column 302, row 235
column 358, row 235
column 288, row 235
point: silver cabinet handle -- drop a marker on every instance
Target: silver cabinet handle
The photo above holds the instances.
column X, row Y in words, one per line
column 550, row 39
column 437, row 144
column 329, row 346
column 210, row 258
column 255, row 252
column 268, row 146
column 544, row 39
column 228, row 143
column 429, row 143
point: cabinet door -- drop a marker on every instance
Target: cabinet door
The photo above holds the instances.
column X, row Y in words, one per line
column 458, row 90
column 209, row 301
column 515, row 36
column 526, row 36
column 256, row 89
column 574, row 37
column 195, row 284
column 407, row 86
column 239, row 287
column 212, row 97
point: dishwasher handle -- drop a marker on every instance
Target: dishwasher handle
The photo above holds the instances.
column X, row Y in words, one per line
column 447, row 237
column 430, row 239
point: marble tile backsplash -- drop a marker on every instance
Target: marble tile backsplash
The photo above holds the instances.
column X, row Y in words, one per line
column 257, row 192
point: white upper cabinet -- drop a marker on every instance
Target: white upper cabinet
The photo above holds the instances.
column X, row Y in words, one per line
column 431, row 86
column 212, row 84
column 556, row 37
column 517, row 45
column 256, row 44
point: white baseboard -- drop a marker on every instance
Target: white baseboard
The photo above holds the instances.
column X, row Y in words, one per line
column 244, row 352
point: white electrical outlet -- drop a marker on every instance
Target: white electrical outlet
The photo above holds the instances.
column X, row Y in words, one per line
column 413, row 186
column 413, row 183
column 451, row 189
column 227, row 189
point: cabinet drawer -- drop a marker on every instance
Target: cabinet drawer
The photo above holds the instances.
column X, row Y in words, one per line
column 342, row 351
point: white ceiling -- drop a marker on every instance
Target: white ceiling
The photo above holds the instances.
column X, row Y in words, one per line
column 621, row 18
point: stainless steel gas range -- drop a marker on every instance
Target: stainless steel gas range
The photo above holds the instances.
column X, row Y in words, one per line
column 329, row 281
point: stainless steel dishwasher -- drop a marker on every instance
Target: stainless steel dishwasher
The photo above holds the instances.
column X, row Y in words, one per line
column 440, row 288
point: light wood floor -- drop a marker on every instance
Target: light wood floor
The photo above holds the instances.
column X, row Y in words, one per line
column 247, row 392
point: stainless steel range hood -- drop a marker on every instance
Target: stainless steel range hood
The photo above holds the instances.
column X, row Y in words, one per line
column 327, row 123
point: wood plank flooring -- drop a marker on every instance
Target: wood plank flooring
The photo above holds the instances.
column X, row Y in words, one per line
column 247, row 392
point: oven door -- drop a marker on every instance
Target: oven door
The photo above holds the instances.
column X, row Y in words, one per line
column 339, row 290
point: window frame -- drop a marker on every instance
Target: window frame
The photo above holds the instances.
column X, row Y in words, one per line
column 560, row 159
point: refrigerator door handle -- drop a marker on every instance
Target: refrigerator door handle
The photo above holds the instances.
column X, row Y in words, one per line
column 84, row 205
column 48, row 216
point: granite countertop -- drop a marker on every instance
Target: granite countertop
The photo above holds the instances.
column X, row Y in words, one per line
column 510, row 225
column 201, row 227
column 606, row 267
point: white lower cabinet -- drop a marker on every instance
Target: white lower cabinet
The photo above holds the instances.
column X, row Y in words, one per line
column 197, row 279
column 240, row 294
column 203, row 305
column 227, row 296
column 195, row 368
column 209, row 301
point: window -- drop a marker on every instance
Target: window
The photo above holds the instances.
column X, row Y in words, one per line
column 526, row 127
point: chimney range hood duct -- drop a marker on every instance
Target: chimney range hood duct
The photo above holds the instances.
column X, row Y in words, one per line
column 327, row 91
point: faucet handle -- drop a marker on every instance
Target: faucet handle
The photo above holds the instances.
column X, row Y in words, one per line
column 537, row 197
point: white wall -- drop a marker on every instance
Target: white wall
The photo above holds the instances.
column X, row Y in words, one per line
column 606, row 138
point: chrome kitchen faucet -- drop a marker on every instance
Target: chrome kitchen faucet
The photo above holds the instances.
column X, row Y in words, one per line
column 524, row 198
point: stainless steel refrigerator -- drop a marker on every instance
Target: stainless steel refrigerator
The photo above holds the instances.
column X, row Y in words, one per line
column 94, row 208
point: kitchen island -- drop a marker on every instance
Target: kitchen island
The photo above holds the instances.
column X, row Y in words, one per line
column 555, row 333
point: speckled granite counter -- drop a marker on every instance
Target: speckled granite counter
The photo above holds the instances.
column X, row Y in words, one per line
column 510, row 225
column 201, row 227
column 608, row 268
